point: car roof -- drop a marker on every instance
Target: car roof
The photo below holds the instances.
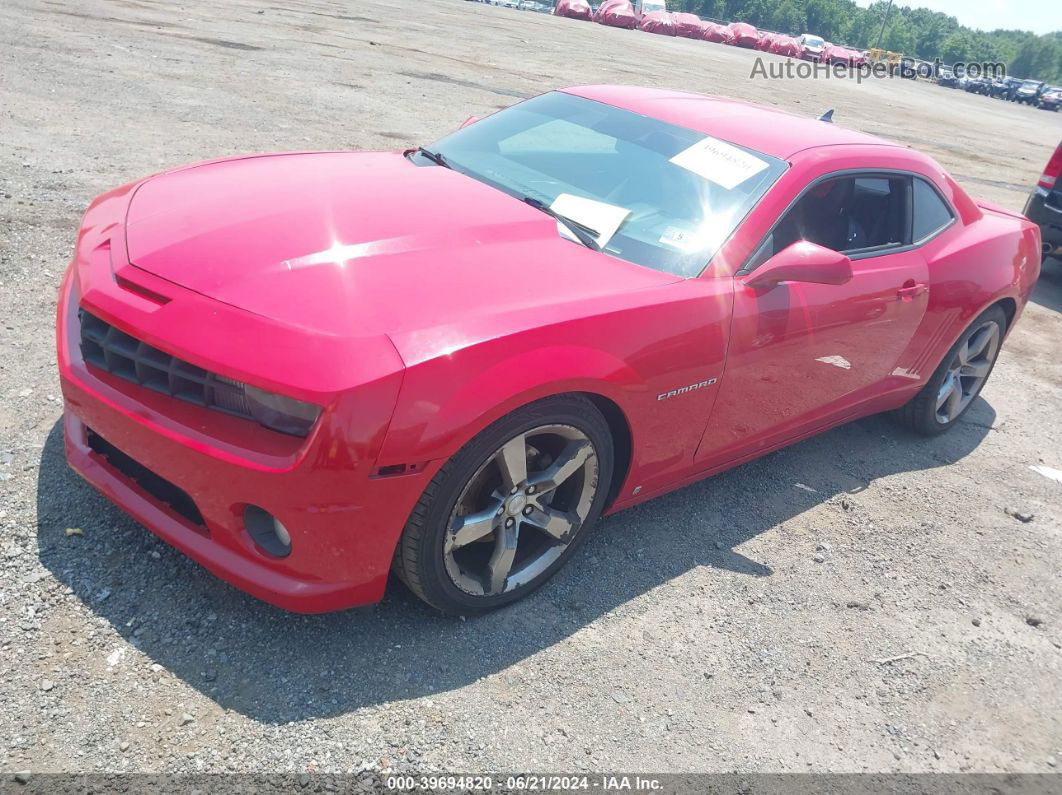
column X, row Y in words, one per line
column 767, row 130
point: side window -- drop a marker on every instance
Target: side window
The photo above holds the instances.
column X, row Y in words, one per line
column 931, row 213
column 849, row 214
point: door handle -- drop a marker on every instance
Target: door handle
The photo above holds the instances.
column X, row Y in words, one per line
column 911, row 290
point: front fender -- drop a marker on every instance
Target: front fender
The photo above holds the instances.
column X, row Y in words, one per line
column 448, row 400
column 639, row 352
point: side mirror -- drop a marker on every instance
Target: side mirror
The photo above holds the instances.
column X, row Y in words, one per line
column 803, row 261
column 468, row 121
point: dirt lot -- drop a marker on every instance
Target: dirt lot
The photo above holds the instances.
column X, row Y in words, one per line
column 745, row 623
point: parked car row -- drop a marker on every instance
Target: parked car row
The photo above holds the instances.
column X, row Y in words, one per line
column 1026, row 92
column 652, row 16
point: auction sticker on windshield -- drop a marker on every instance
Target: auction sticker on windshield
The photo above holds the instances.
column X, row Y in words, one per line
column 603, row 218
column 719, row 162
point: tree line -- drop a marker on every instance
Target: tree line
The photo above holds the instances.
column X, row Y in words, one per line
column 917, row 32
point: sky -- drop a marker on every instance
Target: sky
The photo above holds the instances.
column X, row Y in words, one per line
column 1039, row 16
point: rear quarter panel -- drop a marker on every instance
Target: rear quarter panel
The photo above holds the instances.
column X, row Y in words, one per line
column 992, row 258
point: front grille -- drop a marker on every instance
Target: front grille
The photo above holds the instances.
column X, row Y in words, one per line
column 158, row 487
column 104, row 346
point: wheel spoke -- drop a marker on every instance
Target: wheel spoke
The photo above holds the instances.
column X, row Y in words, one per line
column 954, row 402
column 501, row 561
column 975, row 369
column 946, row 391
column 570, row 461
column 980, row 342
column 558, row 524
column 467, row 529
column 512, row 461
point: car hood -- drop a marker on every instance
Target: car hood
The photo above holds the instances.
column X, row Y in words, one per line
column 360, row 244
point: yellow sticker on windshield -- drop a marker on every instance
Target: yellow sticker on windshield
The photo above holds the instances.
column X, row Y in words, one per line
column 719, row 162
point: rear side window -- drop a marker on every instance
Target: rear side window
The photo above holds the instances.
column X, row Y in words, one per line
column 931, row 213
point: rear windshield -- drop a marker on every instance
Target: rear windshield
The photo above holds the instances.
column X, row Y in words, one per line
column 661, row 196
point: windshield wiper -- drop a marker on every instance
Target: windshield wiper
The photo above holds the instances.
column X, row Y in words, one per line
column 584, row 234
column 434, row 157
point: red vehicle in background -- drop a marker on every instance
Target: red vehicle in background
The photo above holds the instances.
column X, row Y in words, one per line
column 744, row 35
column 719, row 34
column 617, row 14
column 298, row 371
column 765, row 41
column 837, row 54
column 787, row 46
column 659, row 22
column 1044, row 206
column 689, row 26
column 574, row 9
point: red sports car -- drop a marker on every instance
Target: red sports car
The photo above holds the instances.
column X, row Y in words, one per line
column 308, row 370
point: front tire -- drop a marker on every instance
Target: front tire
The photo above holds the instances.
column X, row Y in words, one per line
column 509, row 508
column 959, row 379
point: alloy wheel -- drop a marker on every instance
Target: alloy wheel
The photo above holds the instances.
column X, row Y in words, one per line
column 967, row 372
column 520, row 510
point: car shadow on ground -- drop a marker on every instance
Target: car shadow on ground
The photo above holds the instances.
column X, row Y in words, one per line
column 1048, row 290
column 278, row 667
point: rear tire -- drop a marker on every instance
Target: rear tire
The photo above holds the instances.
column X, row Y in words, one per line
column 959, row 379
column 509, row 509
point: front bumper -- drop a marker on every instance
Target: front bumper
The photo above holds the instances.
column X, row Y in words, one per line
column 343, row 520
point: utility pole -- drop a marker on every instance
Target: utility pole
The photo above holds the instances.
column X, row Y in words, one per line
column 885, row 19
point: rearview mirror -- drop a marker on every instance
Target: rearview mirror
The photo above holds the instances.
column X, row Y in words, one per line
column 468, row 121
column 803, row 261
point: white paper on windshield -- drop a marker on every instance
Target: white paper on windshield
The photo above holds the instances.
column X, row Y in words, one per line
column 719, row 162
column 603, row 218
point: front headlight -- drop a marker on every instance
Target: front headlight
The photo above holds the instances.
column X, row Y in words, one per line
column 284, row 414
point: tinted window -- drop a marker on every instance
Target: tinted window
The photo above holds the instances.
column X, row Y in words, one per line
column 679, row 192
column 849, row 214
column 931, row 214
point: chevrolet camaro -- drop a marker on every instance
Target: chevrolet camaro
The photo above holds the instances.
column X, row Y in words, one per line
column 309, row 370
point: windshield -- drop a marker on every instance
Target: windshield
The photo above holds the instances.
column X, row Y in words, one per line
column 1030, row 84
column 653, row 5
column 659, row 195
column 813, row 41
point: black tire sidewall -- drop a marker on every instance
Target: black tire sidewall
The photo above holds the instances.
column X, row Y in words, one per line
column 577, row 412
column 928, row 410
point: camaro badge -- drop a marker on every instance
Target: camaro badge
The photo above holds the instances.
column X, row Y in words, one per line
column 685, row 389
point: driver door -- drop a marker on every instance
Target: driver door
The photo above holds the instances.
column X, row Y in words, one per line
column 801, row 354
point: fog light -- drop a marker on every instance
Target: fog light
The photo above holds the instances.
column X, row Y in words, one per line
column 267, row 532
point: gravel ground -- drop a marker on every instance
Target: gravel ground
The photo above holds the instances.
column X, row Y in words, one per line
column 859, row 602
